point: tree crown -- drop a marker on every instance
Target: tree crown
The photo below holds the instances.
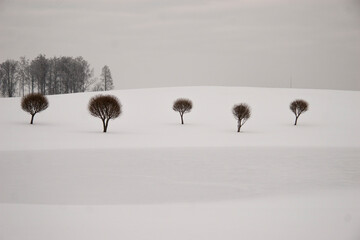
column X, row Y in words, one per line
column 105, row 106
column 299, row 106
column 241, row 112
column 34, row 103
column 182, row 105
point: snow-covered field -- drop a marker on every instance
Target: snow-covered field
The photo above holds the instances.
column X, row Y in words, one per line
column 150, row 177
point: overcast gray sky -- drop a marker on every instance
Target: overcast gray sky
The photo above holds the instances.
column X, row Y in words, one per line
column 155, row 43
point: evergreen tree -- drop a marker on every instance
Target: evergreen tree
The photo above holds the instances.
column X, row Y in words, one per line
column 106, row 78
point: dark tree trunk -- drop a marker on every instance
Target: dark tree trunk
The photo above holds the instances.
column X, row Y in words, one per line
column 23, row 87
column 32, row 84
column 182, row 118
column 50, row 85
column 104, row 126
column 32, row 118
column 105, row 82
column 239, row 126
column 296, row 119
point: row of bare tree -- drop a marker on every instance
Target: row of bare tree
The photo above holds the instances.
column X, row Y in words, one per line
column 48, row 76
column 241, row 112
column 109, row 107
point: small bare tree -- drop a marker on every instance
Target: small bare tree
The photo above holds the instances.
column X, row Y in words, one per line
column 34, row 103
column 182, row 106
column 241, row 113
column 298, row 107
column 105, row 107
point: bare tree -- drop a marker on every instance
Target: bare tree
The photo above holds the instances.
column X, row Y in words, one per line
column 241, row 113
column 40, row 69
column 298, row 107
column 32, row 77
column 23, row 75
column 106, row 78
column 9, row 79
column 34, row 103
column 53, row 76
column 105, row 107
column 1, row 81
column 48, row 76
column 82, row 75
column 97, row 87
column 182, row 106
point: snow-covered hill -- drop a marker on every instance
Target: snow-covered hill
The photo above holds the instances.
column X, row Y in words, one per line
column 150, row 177
column 149, row 121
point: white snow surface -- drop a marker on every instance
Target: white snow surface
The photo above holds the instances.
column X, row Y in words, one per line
column 150, row 177
column 149, row 121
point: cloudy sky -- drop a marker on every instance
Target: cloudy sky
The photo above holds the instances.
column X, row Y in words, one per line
column 155, row 43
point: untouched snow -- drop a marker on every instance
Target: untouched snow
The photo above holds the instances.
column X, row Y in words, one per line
column 149, row 121
column 151, row 178
column 297, row 218
column 144, row 176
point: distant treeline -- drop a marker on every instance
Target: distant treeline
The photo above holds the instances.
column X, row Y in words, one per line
column 49, row 76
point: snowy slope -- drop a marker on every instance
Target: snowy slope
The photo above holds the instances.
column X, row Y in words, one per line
column 150, row 177
column 149, row 121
